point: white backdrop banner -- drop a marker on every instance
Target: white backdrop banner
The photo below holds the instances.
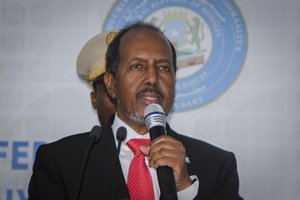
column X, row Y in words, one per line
column 238, row 81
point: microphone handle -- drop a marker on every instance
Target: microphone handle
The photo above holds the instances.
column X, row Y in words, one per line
column 165, row 174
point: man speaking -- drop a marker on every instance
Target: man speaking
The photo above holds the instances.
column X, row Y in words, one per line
column 141, row 68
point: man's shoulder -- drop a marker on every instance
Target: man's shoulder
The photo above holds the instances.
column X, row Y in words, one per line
column 73, row 142
column 72, row 139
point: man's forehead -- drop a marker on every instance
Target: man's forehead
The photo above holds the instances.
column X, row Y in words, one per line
column 137, row 32
column 146, row 43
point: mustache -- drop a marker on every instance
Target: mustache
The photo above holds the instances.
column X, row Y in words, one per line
column 150, row 89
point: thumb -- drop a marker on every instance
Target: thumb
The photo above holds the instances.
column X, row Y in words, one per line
column 145, row 150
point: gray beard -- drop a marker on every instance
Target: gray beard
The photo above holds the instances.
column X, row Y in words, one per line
column 137, row 117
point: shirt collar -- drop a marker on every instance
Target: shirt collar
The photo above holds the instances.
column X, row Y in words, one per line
column 130, row 132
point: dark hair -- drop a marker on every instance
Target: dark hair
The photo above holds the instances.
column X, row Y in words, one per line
column 112, row 56
column 97, row 81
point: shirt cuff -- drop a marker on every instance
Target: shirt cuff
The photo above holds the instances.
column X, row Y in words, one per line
column 190, row 192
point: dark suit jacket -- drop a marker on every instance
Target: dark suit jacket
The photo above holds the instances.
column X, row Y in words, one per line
column 57, row 169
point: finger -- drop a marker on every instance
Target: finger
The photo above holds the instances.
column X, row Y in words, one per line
column 167, row 153
column 167, row 157
column 145, row 150
column 166, row 144
column 164, row 138
column 169, row 161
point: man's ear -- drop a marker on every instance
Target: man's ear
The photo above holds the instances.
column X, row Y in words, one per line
column 94, row 99
column 109, row 84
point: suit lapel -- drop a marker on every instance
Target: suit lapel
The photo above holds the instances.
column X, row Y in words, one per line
column 105, row 165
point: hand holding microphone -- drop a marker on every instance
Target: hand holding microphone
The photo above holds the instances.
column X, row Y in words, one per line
column 167, row 154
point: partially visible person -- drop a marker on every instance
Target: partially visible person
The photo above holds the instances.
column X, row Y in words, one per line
column 101, row 101
column 91, row 68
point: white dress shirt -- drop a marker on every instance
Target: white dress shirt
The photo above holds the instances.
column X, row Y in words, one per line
column 126, row 155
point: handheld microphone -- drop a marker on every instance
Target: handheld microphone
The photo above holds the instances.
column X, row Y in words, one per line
column 155, row 120
column 94, row 137
column 121, row 136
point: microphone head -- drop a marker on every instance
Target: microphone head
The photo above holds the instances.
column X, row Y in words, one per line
column 121, row 134
column 154, row 116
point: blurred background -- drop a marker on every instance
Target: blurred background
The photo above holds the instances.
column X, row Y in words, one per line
column 255, row 115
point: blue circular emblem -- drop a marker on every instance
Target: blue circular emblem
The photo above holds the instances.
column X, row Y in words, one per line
column 210, row 38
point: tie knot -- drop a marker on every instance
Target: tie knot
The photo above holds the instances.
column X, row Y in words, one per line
column 134, row 144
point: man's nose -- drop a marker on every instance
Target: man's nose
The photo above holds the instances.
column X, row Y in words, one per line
column 152, row 76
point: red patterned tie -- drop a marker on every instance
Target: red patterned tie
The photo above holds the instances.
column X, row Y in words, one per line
column 139, row 181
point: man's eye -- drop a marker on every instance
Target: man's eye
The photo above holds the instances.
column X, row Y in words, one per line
column 136, row 66
column 163, row 68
